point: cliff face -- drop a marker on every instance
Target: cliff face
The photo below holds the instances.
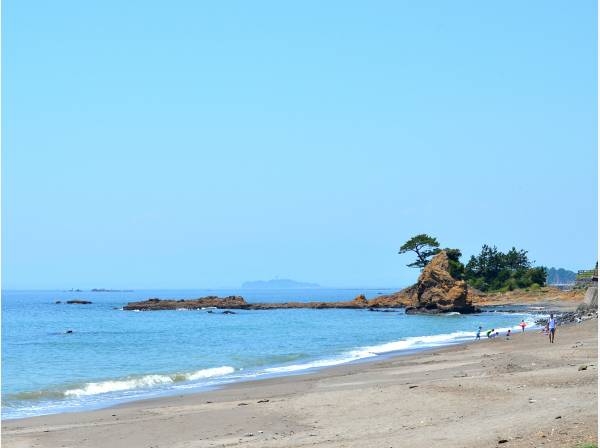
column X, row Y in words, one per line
column 437, row 291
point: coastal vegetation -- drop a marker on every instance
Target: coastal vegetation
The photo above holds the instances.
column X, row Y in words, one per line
column 489, row 271
column 493, row 270
column 424, row 246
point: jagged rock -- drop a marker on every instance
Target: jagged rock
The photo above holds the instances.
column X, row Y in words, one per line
column 360, row 301
column 437, row 291
column 238, row 303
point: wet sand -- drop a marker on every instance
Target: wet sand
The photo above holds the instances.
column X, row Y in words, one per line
column 523, row 392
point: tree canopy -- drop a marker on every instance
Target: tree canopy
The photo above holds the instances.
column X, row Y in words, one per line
column 424, row 246
column 494, row 270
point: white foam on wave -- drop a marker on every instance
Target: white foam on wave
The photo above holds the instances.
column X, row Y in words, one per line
column 408, row 343
column 146, row 381
column 210, row 373
column 118, row 385
column 315, row 364
column 376, row 350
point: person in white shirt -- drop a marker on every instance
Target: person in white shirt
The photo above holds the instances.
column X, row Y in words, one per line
column 551, row 328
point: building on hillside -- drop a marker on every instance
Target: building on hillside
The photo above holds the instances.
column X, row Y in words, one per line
column 587, row 278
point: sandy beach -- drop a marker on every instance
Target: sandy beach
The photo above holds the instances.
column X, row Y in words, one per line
column 522, row 392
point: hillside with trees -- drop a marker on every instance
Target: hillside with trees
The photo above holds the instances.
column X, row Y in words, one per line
column 490, row 270
column 493, row 270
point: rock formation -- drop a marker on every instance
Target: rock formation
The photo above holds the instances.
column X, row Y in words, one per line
column 237, row 302
column 232, row 302
column 398, row 299
column 437, row 291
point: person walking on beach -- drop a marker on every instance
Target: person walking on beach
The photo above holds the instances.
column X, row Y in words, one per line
column 551, row 328
column 522, row 325
column 490, row 333
column 478, row 335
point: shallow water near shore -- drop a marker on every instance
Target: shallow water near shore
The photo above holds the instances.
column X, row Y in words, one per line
column 113, row 356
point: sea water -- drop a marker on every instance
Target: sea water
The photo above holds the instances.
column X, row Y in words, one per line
column 113, row 356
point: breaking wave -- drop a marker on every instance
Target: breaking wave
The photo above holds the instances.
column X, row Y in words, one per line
column 125, row 384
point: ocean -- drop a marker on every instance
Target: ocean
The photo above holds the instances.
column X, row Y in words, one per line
column 113, row 356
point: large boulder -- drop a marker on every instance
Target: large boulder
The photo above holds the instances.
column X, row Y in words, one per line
column 437, row 291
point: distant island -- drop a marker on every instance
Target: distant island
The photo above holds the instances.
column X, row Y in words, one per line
column 280, row 283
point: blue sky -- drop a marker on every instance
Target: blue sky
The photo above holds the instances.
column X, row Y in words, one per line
column 201, row 144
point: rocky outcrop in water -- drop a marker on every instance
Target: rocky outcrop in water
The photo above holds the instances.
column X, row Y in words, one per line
column 437, row 291
column 231, row 302
column 237, row 302
column 398, row 299
column 78, row 302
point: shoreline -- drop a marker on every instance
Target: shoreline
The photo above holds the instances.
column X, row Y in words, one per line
column 230, row 413
column 352, row 356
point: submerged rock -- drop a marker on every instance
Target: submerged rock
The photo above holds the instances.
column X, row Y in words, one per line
column 437, row 291
column 79, row 302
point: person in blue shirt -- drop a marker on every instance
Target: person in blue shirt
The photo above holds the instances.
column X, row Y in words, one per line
column 551, row 328
column 478, row 335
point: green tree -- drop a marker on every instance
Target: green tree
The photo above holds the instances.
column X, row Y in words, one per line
column 456, row 268
column 517, row 260
column 424, row 246
column 494, row 270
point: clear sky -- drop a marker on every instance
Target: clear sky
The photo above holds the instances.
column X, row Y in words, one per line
column 191, row 144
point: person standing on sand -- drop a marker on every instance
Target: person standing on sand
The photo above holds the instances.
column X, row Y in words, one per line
column 551, row 328
column 522, row 325
column 478, row 335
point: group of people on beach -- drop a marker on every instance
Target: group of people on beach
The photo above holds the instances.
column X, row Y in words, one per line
column 549, row 330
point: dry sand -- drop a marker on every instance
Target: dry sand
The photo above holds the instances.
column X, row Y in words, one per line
column 523, row 391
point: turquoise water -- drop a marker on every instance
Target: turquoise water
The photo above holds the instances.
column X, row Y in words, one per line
column 114, row 356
